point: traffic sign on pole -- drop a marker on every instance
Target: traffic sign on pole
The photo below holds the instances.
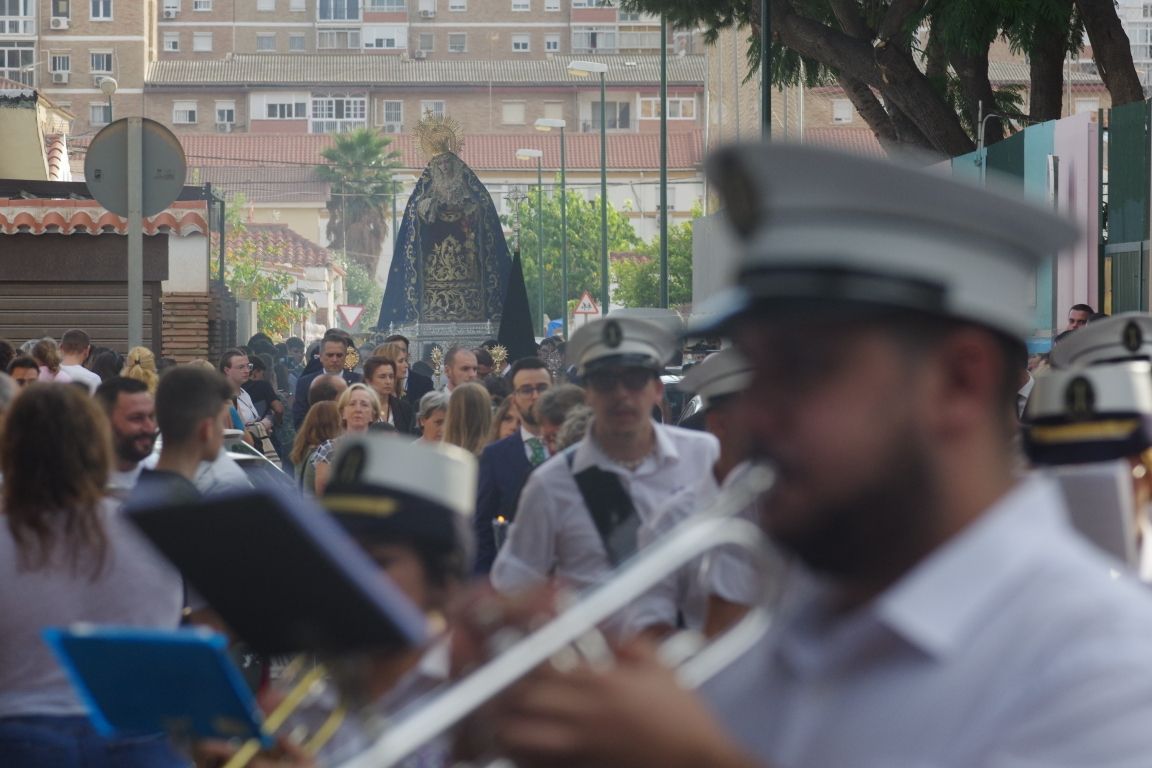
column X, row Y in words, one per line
column 587, row 305
column 350, row 314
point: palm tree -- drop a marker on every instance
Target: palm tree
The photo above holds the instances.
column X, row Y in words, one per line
column 360, row 168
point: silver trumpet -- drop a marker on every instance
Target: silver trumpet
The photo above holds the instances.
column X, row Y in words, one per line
column 574, row 631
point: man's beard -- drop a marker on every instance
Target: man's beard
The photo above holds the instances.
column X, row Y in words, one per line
column 528, row 418
column 127, row 450
column 882, row 530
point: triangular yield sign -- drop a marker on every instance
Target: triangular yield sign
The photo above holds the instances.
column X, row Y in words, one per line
column 350, row 313
column 586, row 306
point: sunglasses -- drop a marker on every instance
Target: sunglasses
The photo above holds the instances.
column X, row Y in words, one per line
column 633, row 379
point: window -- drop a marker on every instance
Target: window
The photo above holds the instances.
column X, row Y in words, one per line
column 617, row 115
column 588, row 39
column 183, row 112
column 171, row 41
column 296, row 42
column 17, row 17
column 521, row 43
column 679, row 108
column 61, row 9
column 286, row 110
column 100, row 114
column 100, row 62
column 328, row 39
column 631, row 16
column 457, row 5
column 338, row 10
column 296, row 5
column 522, row 5
column 512, row 112
column 338, row 114
column 386, row 6
column 60, row 62
column 458, row 43
column 201, row 5
column 552, row 43
column 266, row 42
column 427, row 41
column 202, row 41
column 554, row 110
column 1087, row 105
column 171, row 8
column 392, row 114
column 17, row 61
column 266, row 5
column 225, row 113
column 434, row 108
column 388, row 38
column 101, row 10
column 842, row 111
column 551, row 5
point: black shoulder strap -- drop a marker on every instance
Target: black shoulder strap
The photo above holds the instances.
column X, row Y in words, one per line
column 611, row 509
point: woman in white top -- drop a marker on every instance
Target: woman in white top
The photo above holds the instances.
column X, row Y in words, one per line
column 66, row 556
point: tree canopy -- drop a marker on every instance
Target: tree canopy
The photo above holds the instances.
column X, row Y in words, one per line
column 917, row 71
column 638, row 279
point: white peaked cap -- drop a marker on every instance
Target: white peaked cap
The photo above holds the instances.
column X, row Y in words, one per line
column 822, row 228
column 723, row 373
column 624, row 341
column 1123, row 337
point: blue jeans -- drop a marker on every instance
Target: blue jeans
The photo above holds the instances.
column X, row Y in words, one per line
column 71, row 742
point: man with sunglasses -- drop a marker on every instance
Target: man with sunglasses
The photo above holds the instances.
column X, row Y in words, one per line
column 579, row 513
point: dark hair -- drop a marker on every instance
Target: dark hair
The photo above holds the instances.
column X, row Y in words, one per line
column 335, row 334
column 293, row 341
column 376, row 361
column 7, row 352
column 483, row 357
column 110, row 390
column 398, row 337
column 526, row 364
column 187, row 395
column 22, row 361
column 226, row 358
column 1082, row 308
column 554, row 405
column 53, row 481
column 105, row 362
column 74, row 341
column 1098, row 316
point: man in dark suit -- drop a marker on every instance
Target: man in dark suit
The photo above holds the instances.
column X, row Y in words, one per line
column 333, row 350
column 504, row 465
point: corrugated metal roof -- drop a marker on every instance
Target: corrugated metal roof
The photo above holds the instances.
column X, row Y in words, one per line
column 375, row 70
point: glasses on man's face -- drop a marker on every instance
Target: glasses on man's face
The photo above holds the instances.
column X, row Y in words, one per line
column 633, row 379
column 532, row 389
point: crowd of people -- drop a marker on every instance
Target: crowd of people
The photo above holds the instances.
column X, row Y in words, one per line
column 933, row 602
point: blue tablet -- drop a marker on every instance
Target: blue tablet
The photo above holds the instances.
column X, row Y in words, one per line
column 180, row 682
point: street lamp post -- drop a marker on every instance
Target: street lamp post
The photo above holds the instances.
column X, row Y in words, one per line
column 583, row 69
column 108, row 86
column 538, row 156
column 547, row 124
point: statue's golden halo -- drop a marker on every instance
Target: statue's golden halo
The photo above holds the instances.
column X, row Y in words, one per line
column 439, row 135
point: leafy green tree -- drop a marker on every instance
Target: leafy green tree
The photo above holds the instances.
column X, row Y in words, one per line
column 360, row 168
column 911, row 91
column 249, row 278
column 363, row 289
column 638, row 280
column 583, row 247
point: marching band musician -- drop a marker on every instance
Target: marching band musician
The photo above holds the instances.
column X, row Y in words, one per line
column 580, row 511
column 942, row 611
column 711, row 595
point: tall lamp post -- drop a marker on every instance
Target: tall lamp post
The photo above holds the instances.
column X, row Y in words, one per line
column 108, row 86
column 547, row 124
column 538, row 156
column 583, row 69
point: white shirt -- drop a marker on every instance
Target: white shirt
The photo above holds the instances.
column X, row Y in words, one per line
column 525, row 436
column 1014, row 645
column 83, row 375
column 727, row 573
column 246, row 408
column 554, row 534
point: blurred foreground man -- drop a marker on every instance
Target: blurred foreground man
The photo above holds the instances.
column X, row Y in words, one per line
column 940, row 610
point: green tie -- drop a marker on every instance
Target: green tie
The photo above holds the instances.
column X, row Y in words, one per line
column 539, row 454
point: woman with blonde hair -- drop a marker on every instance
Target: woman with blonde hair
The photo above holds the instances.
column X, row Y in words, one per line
column 469, row 417
column 140, row 364
column 359, row 408
column 67, row 555
column 321, row 425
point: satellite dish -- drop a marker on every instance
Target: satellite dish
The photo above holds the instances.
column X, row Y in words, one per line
column 163, row 167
